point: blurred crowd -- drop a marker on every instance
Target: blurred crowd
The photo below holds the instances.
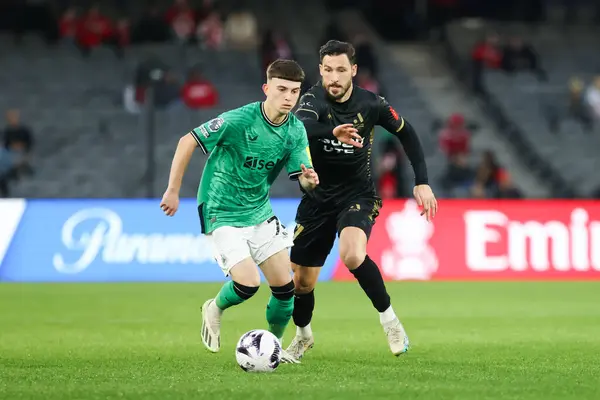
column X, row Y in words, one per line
column 205, row 25
column 15, row 151
column 485, row 178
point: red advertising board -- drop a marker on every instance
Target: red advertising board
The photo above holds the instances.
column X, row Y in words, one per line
column 487, row 240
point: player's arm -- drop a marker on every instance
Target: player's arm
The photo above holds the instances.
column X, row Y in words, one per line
column 299, row 164
column 206, row 137
column 309, row 112
column 404, row 131
column 183, row 154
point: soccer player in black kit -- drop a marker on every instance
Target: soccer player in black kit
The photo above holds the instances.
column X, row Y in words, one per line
column 340, row 119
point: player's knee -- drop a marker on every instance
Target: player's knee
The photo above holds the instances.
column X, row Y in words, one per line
column 285, row 292
column 352, row 257
column 305, row 282
column 245, row 291
column 250, row 280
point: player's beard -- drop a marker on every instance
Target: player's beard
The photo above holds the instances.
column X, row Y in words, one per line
column 342, row 90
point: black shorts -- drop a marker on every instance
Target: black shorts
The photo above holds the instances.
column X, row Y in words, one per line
column 316, row 228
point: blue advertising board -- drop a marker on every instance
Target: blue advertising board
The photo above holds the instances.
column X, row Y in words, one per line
column 112, row 241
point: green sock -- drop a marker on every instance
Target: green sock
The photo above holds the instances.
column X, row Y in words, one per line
column 279, row 313
column 227, row 297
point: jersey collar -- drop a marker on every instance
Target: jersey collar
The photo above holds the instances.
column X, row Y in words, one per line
column 264, row 115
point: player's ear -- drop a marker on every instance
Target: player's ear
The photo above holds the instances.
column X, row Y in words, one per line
column 354, row 70
column 265, row 88
column 321, row 69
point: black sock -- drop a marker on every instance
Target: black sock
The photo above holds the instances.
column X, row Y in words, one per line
column 304, row 304
column 370, row 280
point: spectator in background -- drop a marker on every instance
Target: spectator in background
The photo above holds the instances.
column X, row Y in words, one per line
column 182, row 20
column 199, row 92
column 207, row 8
column 592, row 97
column 93, row 29
column 367, row 81
column 457, row 180
column 488, row 176
column 152, row 27
column 485, row 54
column 506, row 190
column 210, row 31
column 242, row 30
column 17, row 135
column 519, row 56
column 455, row 137
column 16, row 155
column 365, row 54
column 7, row 165
column 333, row 32
column 390, row 171
column 274, row 46
column 121, row 37
column 577, row 108
column 67, row 25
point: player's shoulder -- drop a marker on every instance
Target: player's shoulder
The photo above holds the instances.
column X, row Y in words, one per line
column 244, row 111
column 296, row 125
column 243, row 115
column 316, row 92
column 367, row 97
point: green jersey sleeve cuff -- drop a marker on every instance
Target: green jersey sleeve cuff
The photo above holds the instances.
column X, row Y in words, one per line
column 294, row 175
column 197, row 138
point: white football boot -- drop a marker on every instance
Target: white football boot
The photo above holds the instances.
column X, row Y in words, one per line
column 211, row 326
column 299, row 346
column 287, row 358
column 396, row 336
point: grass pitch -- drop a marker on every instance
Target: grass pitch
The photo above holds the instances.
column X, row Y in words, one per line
column 141, row 341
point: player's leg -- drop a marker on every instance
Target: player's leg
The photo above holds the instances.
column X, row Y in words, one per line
column 355, row 226
column 269, row 247
column 231, row 250
column 313, row 240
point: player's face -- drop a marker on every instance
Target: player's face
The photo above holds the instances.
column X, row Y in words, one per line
column 337, row 73
column 282, row 95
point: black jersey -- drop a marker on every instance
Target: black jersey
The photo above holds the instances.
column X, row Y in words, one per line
column 344, row 170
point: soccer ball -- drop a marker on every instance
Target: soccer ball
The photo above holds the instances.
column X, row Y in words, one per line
column 258, row 351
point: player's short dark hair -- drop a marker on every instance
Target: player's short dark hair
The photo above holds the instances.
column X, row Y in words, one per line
column 335, row 48
column 289, row 70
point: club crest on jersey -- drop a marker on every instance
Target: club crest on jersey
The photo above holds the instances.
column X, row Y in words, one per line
column 215, row 124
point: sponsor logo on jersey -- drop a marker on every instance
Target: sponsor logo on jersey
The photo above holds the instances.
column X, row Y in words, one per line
column 215, row 124
column 394, row 113
column 255, row 163
column 337, row 147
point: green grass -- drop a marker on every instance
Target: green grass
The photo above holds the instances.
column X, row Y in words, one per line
column 141, row 341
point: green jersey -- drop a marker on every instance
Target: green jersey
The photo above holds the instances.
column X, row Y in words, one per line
column 247, row 152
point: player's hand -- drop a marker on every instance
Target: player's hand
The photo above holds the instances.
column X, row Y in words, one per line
column 310, row 177
column 425, row 198
column 348, row 134
column 170, row 202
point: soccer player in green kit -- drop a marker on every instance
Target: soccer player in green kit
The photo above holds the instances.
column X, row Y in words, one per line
column 248, row 148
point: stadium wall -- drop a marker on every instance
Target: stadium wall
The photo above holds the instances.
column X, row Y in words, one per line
column 131, row 240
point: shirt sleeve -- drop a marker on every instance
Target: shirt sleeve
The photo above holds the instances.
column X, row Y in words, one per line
column 299, row 155
column 210, row 134
column 311, row 112
column 399, row 127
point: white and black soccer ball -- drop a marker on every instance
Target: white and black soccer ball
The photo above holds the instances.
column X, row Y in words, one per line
column 258, row 351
